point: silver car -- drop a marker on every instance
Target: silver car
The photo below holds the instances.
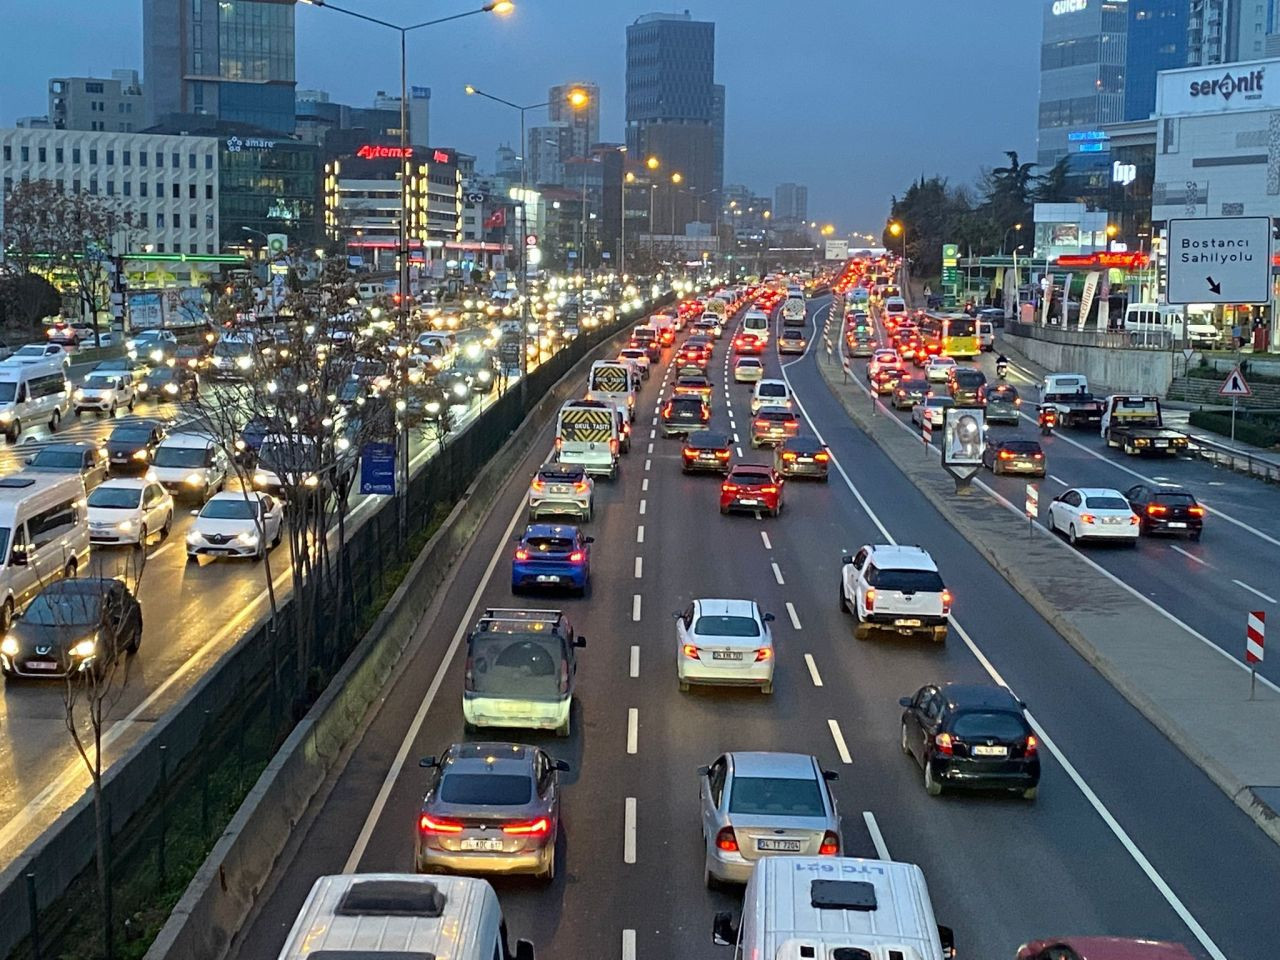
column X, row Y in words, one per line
column 762, row 804
column 490, row 808
column 561, row 489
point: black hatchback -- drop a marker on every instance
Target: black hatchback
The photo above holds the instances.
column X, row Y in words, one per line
column 73, row 626
column 802, row 457
column 131, row 445
column 706, row 451
column 1166, row 510
column 684, row 415
column 971, row 735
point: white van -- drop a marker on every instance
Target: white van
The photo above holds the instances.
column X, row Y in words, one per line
column 402, row 915
column 32, row 393
column 815, row 906
column 757, row 322
column 1153, row 319
column 587, row 434
column 190, row 464
column 610, row 382
column 895, row 307
column 44, row 535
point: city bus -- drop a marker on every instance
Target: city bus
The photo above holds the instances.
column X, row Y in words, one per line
column 956, row 334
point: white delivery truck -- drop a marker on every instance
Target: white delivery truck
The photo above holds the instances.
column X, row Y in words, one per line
column 610, row 382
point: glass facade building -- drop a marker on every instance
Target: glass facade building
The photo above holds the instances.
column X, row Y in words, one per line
column 268, row 186
column 1157, row 41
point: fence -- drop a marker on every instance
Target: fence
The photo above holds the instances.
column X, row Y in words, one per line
column 1110, row 339
column 170, row 798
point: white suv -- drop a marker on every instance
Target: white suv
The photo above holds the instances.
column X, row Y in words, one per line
column 770, row 393
column 894, row 588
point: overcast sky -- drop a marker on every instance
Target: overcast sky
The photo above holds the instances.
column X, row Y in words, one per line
column 851, row 97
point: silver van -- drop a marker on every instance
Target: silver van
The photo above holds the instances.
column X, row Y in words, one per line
column 830, row 905
column 44, row 535
column 32, row 393
column 402, row 916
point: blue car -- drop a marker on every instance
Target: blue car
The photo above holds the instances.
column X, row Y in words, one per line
column 552, row 555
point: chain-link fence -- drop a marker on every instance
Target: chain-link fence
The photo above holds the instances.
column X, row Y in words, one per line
column 169, row 801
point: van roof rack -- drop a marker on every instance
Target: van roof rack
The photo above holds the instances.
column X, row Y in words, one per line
column 518, row 613
column 842, row 895
column 397, row 898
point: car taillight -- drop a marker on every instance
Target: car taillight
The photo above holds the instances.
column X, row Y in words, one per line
column 1006, row 454
column 943, row 742
column 728, row 488
column 427, row 824
column 1037, row 456
column 1032, row 747
column 722, row 454
column 830, row 845
column 788, row 455
column 689, row 453
column 1196, row 511
column 946, row 601
column 690, row 651
column 559, row 443
column 822, row 457
column 763, row 654
column 869, row 599
column 727, row 841
column 1088, row 518
column 1155, row 510
column 666, row 411
column 706, row 414
column 1133, row 518
column 522, row 554
column 613, row 445
column 468, row 675
column 762, row 423
column 538, row 486
column 580, row 487
column 769, row 489
column 539, row 826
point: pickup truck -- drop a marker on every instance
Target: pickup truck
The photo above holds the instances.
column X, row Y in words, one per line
column 1069, row 394
column 1136, row 426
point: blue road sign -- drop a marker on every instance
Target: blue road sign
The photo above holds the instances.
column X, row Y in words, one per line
column 378, row 468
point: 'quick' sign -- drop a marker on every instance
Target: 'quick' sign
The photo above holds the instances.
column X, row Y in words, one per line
column 1228, row 86
column 1069, row 6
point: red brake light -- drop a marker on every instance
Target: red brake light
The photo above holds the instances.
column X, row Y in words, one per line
column 788, row 455
column 769, row 489
column 722, row 454
column 763, row 654
column 689, row 452
column 706, row 414
column 727, row 841
column 690, row 651
column 822, row 457
column 580, row 487
column 522, row 554
column 613, row 445
column 830, row 845
column 1088, row 518
column 728, row 488
column 1196, row 511
column 869, row 598
column 1032, row 747
column 946, row 601
column 575, row 557
column 427, row 825
column 1155, row 510
column 943, row 742
column 538, row 484
column 666, row 411
column 1006, row 454
column 762, row 423
column 540, row 826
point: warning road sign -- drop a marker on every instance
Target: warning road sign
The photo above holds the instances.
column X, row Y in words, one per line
column 1235, row 385
column 1255, row 636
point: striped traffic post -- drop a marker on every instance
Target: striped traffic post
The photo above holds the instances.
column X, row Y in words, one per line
column 1255, row 635
column 926, row 429
column 1032, row 507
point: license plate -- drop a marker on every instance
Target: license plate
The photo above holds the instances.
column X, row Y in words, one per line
column 548, row 578
column 218, row 551
column 985, row 751
column 1177, row 525
column 804, row 459
column 906, row 623
column 40, row 665
column 784, row 846
column 726, row 655
column 1162, row 443
column 706, row 456
column 494, row 845
column 748, row 503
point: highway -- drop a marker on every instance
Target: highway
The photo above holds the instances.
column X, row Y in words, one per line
column 1127, row 836
column 191, row 615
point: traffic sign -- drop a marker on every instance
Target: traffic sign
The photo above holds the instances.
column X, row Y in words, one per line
column 378, row 468
column 1255, row 636
column 926, row 429
column 531, row 240
column 1220, row 260
column 1187, row 354
column 1235, row 385
column 1032, row 505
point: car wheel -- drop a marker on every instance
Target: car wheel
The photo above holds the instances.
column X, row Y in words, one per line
column 724, row 511
column 468, row 727
column 684, row 686
column 710, row 879
column 844, row 601
column 995, row 467
column 6, row 615
column 134, row 641
column 549, row 873
column 906, row 744
column 142, row 538
column 931, row 786
column 193, row 558
column 131, row 401
column 15, row 430
column 1071, row 534
column 55, row 421
column 1195, row 535
column 168, row 523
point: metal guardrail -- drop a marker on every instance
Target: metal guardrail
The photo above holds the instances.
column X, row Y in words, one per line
column 1234, row 458
column 1111, row 339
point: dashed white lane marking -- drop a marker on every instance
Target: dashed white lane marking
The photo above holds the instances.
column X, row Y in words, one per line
column 877, row 838
column 1189, row 556
column 635, row 608
column 159, row 550
column 841, row 747
column 640, row 533
column 736, row 439
column 648, row 464
column 635, row 661
column 812, row 664
column 652, row 434
column 739, row 451
column 768, row 544
column 653, row 422
column 1256, row 592
column 628, row 945
column 629, row 831
column 650, row 450
column 633, row 729
column 1058, row 480
column 644, row 486
column 639, row 566
column 795, row 617
column 777, row 574
column 643, row 504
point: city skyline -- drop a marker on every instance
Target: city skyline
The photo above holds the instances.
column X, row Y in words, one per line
column 853, row 191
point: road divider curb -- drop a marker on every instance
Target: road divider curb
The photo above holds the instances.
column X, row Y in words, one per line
column 1187, row 691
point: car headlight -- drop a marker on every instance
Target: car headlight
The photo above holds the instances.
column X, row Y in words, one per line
column 85, row 649
column 157, row 355
column 311, row 480
column 142, row 454
column 6, row 416
column 244, row 363
column 79, row 394
column 126, row 526
column 485, row 376
column 194, row 538
column 460, row 389
column 261, row 479
column 240, row 444
column 143, row 387
column 9, row 647
column 248, row 538
column 194, row 480
column 170, row 388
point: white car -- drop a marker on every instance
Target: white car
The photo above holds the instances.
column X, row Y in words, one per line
column 104, row 391
column 1094, row 513
column 884, row 357
column 770, row 393
column 747, row 370
column 938, row 369
column 154, row 345
column 236, row 524
column 639, row 357
column 41, row 353
column 190, row 464
column 129, row 510
column 931, row 407
column 724, row 643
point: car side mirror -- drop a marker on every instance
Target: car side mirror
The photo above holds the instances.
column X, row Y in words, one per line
column 18, row 557
column 904, row 701
column 768, row 618
column 30, row 460
column 524, row 950
column 830, row 775
column 579, row 641
column 723, row 932
column 846, row 560
column 588, row 539
column 704, row 771
column 948, row 939
column 561, row 765
column 428, row 762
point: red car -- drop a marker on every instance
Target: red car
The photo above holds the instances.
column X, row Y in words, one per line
column 752, row 486
column 1102, row 948
column 748, row 343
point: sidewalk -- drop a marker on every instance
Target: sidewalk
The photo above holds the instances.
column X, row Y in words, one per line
column 1187, row 688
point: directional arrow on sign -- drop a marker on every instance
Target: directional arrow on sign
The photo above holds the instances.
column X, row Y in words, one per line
column 1215, row 287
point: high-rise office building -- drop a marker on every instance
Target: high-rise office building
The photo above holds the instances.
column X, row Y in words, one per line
column 97, row 103
column 1227, row 31
column 1082, row 72
column 550, row 145
column 791, row 203
column 584, row 122
column 672, row 113
column 1157, row 41
column 228, row 60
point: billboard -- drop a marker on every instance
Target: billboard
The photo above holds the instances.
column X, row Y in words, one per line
column 837, row 249
column 962, row 437
column 1217, row 89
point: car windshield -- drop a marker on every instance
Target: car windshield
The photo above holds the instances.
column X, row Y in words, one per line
column 906, row 581
column 1175, row 499
column 181, row 456
column 59, row 460
column 486, row 789
column 101, row 381
column 549, row 544
column 772, row 390
column 59, row 609
column 116, row 498
column 8, row 390
column 997, row 725
column 30, row 350
column 776, row 796
column 726, row 626
column 1021, row 446
column 1106, row 503
column 232, row 508
column 232, row 348
column 516, row 666
column 130, row 435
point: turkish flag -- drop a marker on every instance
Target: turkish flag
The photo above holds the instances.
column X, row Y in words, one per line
column 497, row 219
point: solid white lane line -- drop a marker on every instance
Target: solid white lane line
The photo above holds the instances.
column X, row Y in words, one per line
column 739, row 449
column 812, row 664
column 643, row 504
column 639, row 566
column 635, row 661
column 644, row 486
column 635, row 608
column 1256, row 592
column 647, row 465
column 877, row 838
column 768, row 545
column 633, row 729
column 628, row 945
column 841, row 747
column 640, row 533
column 1059, row 480
column 795, row 617
column 1189, row 556
column 777, row 574
column 629, row 831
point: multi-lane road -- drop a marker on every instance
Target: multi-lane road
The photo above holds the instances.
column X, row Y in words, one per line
column 1127, row 836
column 191, row 613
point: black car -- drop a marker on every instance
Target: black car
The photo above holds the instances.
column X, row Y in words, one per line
column 1166, row 510
column 132, row 445
column 706, row 451
column 971, row 735
column 82, row 623
column 170, row 384
column 802, row 457
column 968, row 386
column 1004, row 404
column 86, row 459
column 1014, row 456
column 910, row 391
column 684, row 415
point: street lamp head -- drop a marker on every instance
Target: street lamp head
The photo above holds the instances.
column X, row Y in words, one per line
column 895, row 228
column 578, row 98
column 1112, row 230
column 500, row 7
column 677, row 177
column 631, row 177
column 471, row 91
column 1017, row 226
column 653, row 163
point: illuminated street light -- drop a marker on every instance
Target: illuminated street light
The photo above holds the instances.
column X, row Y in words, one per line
column 653, row 163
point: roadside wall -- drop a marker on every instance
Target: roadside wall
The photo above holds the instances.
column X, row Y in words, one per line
column 1108, row 370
